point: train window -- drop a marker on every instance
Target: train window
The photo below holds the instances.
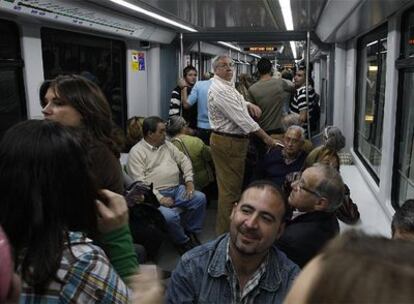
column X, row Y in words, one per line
column 408, row 35
column 403, row 186
column 369, row 111
column 12, row 96
column 101, row 60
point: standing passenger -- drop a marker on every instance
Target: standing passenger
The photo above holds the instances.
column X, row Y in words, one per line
column 299, row 104
column 177, row 106
column 199, row 94
column 269, row 94
column 231, row 124
column 242, row 266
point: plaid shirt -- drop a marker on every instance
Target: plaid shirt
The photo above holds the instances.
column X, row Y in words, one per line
column 85, row 276
column 250, row 290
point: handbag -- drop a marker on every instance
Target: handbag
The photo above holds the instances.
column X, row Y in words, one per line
column 147, row 224
column 348, row 212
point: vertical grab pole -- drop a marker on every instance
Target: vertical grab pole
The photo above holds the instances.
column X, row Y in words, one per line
column 200, row 62
column 307, row 80
column 181, row 67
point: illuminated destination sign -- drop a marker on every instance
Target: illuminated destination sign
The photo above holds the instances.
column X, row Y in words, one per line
column 260, row 49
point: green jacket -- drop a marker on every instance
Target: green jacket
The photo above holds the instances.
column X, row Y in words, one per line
column 200, row 157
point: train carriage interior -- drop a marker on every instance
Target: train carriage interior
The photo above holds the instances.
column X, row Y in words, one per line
column 358, row 54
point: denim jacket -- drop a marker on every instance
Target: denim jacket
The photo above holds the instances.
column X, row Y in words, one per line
column 201, row 276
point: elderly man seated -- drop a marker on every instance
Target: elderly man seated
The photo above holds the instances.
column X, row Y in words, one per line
column 402, row 225
column 279, row 162
column 316, row 195
column 155, row 161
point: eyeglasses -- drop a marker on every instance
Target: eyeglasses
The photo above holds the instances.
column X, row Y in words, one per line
column 301, row 185
column 226, row 65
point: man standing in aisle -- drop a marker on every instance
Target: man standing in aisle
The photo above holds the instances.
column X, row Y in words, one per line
column 231, row 125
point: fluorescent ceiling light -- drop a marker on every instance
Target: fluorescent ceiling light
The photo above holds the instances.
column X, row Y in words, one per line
column 254, row 55
column 293, row 47
column 372, row 43
column 230, row 45
column 152, row 15
column 287, row 14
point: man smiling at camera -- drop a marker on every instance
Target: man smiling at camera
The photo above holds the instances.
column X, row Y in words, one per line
column 242, row 266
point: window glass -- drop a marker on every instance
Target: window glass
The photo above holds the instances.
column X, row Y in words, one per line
column 403, row 185
column 405, row 125
column 372, row 55
column 408, row 35
column 12, row 101
column 99, row 59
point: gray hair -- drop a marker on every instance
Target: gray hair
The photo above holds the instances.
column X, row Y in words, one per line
column 334, row 139
column 299, row 129
column 216, row 60
column 292, row 119
column 175, row 125
column 403, row 218
column 331, row 186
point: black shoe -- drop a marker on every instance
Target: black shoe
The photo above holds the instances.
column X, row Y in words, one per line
column 183, row 248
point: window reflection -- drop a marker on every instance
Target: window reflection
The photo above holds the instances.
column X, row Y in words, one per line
column 372, row 52
column 12, row 102
column 99, row 59
column 406, row 143
column 403, row 187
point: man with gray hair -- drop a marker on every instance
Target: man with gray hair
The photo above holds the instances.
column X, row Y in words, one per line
column 315, row 196
column 402, row 225
column 287, row 158
column 231, row 124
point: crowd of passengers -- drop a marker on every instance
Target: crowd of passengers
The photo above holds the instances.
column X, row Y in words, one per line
column 78, row 221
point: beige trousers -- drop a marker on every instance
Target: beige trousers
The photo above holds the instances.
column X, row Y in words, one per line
column 229, row 156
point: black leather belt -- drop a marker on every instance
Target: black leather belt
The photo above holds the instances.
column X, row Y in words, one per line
column 231, row 135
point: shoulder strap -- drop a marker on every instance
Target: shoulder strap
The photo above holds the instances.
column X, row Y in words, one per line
column 182, row 145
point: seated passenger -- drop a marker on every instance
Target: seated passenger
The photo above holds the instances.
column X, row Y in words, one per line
column 348, row 211
column 48, row 207
column 333, row 139
column 402, row 225
column 356, row 268
column 134, row 132
column 155, row 161
column 281, row 161
column 293, row 119
column 315, row 196
column 242, row 266
column 195, row 149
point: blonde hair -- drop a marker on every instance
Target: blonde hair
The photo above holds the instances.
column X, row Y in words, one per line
column 134, row 131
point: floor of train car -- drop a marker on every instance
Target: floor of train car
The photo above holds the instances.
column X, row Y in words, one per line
column 168, row 256
column 373, row 219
